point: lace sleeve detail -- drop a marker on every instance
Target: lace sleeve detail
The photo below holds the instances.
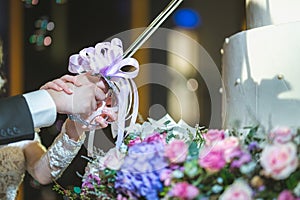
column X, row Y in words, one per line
column 61, row 153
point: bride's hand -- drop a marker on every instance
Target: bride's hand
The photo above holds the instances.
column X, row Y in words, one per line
column 60, row 84
column 103, row 116
column 107, row 116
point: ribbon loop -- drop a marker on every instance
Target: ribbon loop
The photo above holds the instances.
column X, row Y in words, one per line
column 118, row 72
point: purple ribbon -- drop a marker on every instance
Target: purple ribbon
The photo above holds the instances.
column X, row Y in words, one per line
column 105, row 59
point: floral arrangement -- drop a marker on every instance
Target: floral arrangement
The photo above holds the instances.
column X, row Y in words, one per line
column 167, row 160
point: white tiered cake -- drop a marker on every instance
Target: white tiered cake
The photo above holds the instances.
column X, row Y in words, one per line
column 261, row 67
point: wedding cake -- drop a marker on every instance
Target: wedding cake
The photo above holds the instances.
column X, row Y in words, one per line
column 261, row 67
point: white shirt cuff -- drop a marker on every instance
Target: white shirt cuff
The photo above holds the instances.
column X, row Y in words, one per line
column 42, row 108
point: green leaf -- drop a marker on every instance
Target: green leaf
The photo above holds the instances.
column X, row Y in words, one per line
column 227, row 176
column 251, row 134
column 293, row 179
column 167, row 122
column 170, row 135
column 191, row 168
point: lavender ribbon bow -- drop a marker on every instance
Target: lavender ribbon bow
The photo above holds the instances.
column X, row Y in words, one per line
column 105, row 59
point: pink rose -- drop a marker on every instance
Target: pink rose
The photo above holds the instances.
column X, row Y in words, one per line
column 281, row 135
column 213, row 135
column 113, row 159
column 176, row 151
column 184, row 190
column 239, row 190
column 230, row 147
column 136, row 140
column 286, row 195
column 212, row 159
column 279, row 160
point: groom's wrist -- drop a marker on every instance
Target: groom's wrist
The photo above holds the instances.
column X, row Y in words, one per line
column 42, row 108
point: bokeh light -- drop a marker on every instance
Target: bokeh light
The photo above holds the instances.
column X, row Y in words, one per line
column 50, row 26
column 61, row 1
column 34, row 2
column 187, row 18
column 38, row 23
column 32, row 39
column 44, row 24
column 29, row 3
column 192, row 84
column 47, row 41
column 41, row 36
column 40, row 40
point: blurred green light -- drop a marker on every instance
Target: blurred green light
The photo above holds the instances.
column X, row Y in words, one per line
column 40, row 40
column 32, row 39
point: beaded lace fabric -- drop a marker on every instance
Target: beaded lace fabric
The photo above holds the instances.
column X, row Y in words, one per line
column 13, row 164
column 12, row 169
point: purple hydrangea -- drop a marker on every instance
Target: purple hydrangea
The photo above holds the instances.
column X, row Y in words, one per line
column 139, row 175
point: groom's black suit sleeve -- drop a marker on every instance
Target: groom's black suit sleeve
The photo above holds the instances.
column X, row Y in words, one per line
column 15, row 120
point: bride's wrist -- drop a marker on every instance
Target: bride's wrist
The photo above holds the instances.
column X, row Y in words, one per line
column 73, row 130
column 64, row 148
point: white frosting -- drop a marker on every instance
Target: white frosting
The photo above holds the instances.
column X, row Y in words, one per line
column 268, row 12
column 261, row 73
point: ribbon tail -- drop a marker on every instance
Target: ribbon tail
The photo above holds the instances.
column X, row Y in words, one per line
column 120, row 124
column 127, row 89
column 128, row 108
column 135, row 105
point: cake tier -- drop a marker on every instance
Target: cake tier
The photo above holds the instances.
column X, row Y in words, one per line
column 261, row 74
column 268, row 12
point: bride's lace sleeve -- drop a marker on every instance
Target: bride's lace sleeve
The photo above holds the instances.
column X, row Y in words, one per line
column 57, row 158
column 62, row 152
